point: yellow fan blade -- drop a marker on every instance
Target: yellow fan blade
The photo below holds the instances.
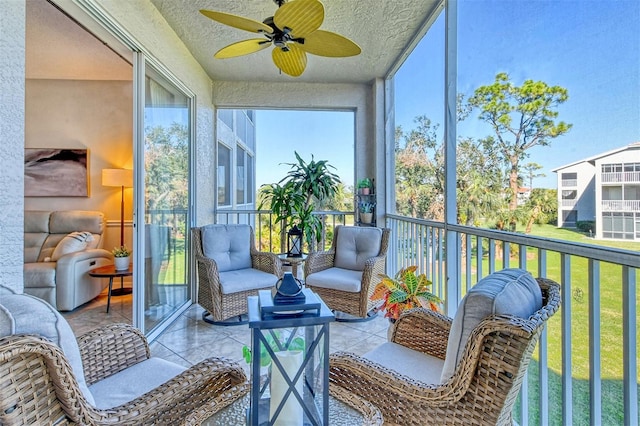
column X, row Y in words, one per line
column 292, row 62
column 326, row 43
column 237, row 21
column 302, row 17
column 242, row 48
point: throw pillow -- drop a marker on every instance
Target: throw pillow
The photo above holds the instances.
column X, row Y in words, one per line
column 71, row 243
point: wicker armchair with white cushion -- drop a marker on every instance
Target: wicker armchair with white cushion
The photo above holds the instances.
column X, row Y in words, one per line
column 106, row 377
column 346, row 275
column 468, row 370
column 230, row 269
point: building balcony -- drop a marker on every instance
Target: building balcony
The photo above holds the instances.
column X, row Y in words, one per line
column 620, row 205
column 569, row 183
column 620, row 177
column 569, row 203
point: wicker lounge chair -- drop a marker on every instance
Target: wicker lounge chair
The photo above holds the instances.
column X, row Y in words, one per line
column 346, row 275
column 54, row 380
column 484, row 383
column 230, row 269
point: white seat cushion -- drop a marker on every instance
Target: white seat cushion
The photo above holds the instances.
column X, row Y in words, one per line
column 133, row 382
column 507, row 292
column 421, row 367
column 245, row 279
column 336, row 279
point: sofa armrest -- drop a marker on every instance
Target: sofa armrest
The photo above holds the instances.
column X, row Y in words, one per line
column 69, row 261
column 110, row 349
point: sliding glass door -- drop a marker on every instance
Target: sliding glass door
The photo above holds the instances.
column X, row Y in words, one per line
column 164, row 219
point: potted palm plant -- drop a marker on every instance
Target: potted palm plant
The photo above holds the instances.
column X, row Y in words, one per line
column 405, row 291
column 293, row 198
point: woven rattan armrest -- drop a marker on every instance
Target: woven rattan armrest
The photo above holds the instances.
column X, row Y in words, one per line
column 110, row 349
column 382, row 384
column 422, row 330
column 205, row 387
column 319, row 261
column 266, row 262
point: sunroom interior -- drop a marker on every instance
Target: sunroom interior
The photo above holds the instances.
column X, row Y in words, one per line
column 91, row 74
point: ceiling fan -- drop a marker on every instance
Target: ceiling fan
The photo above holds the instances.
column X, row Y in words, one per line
column 292, row 30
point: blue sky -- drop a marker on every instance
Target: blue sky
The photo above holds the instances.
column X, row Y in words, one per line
column 327, row 135
column 590, row 47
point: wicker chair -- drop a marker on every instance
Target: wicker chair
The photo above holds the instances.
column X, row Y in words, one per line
column 346, row 275
column 105, row 377
column 485, row 382
column 231, row 270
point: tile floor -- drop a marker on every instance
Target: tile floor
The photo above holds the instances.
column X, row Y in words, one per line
column 190, row 340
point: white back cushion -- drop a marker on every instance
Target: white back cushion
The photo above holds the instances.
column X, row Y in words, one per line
column 29, row 315
column 227, row 245
column 506, row 292
column 355, row 244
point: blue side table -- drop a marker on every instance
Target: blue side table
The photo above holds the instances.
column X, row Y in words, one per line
column 295, row 388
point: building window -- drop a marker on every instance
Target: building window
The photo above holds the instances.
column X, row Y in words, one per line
column 226, row 116
column 240, row 176
column 618, row 225
column 249, row 180
column 569, row 194
column 224, row 175
column 612, row 168
column 569, row 217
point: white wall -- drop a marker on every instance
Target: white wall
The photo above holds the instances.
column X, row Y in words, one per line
column 12, row 43
column 365, row 100
column 85, row 114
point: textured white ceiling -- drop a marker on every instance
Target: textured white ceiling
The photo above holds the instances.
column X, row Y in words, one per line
column 58, row 48
column 382, row 28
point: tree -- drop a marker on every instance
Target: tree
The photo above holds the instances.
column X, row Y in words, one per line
column 521, row 118
column 530, row 170
column 542, row 206
column 418, row 176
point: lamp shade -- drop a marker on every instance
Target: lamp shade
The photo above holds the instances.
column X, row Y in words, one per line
column 117, row 177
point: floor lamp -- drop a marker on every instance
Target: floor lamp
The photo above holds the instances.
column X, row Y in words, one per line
column 122, row 178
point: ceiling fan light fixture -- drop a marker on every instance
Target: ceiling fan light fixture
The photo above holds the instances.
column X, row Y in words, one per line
column 294, row 32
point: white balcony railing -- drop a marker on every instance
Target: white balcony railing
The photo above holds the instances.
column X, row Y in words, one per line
column 621, row 177
column 620, row 205
column 569, row 203
column 569, row 183
column 585, row 369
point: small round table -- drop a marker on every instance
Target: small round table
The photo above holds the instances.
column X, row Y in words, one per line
column 109, row 271
column 293, row 261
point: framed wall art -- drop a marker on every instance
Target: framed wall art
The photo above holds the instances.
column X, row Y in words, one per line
column 50, row 172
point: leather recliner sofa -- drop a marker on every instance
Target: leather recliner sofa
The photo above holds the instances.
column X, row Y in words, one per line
column 64, row 283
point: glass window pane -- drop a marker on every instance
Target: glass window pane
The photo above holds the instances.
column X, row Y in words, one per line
column 240, row 176
column 224, row 175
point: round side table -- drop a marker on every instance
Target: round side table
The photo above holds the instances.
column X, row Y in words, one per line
column 109, row 271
